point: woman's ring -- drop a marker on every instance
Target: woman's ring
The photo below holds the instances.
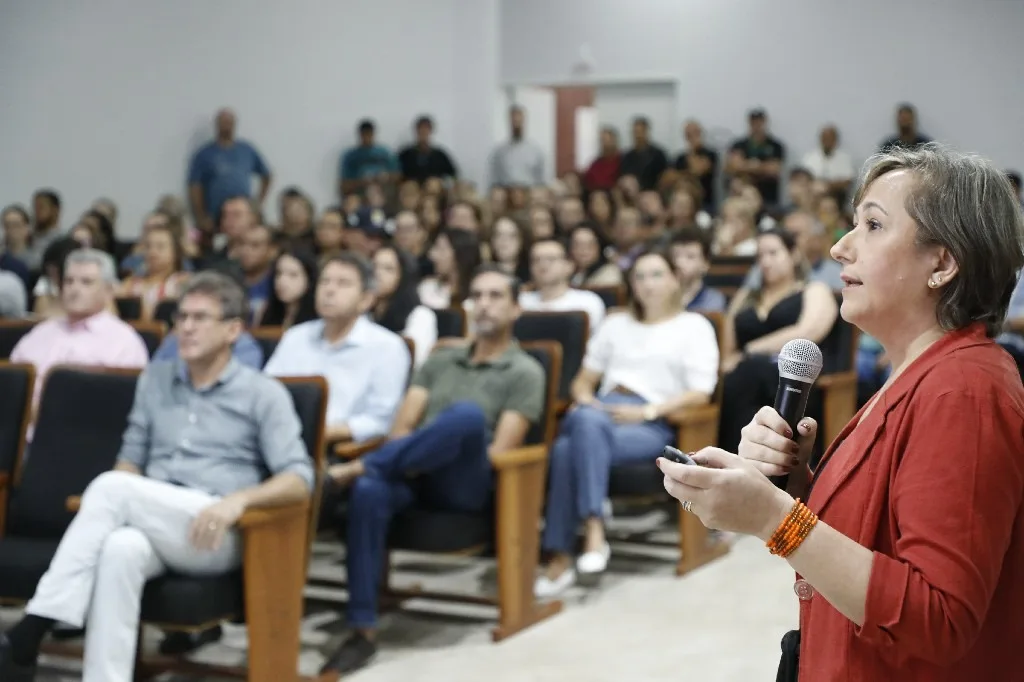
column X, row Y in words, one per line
column 688, row 506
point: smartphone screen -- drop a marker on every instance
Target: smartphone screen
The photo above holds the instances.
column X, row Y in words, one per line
column 676, row 455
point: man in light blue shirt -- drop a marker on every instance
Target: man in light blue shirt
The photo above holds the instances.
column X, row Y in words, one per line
column 365, row 365
column 518, row 162
column 366, row 162
column 223, row 169
column 246, row 350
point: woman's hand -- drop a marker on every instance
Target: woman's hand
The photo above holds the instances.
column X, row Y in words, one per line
column 727, row 493
column 768, row 444
column 625, row 414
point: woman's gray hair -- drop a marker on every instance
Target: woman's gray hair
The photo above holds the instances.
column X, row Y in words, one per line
column 963, row 203
column 101, row 259
column 221, row 288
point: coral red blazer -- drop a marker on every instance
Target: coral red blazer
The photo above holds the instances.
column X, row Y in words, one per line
column 933, row 482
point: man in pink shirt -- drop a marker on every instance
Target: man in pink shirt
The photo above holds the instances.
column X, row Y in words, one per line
column 87, row 334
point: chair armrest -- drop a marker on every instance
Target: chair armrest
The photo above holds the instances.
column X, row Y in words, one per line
column 696, row 426
column 837, row 380
column 73, row 503
column 519, row 457
column 4, row 477
column 265, row 516
column 562, row 406
column 839, row 402
column 348, row 449
column 692, row 415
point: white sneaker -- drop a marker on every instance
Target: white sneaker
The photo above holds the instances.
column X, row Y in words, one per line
column 594, row 562
column 546, row 588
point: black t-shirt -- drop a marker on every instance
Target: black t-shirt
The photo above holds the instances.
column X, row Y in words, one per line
column 707, row 182
column 768, row 150
column 645, row 164
column 419, row 165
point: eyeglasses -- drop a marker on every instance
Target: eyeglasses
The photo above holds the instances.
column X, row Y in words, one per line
column 200, row 318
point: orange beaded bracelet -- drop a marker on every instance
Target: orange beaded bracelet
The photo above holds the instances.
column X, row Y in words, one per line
column 793, row 530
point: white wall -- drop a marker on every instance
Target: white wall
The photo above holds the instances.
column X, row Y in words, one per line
column 109, row 97
column 806, row 61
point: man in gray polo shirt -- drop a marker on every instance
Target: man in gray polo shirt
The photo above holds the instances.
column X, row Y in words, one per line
column 464, row 403
column 207, row 438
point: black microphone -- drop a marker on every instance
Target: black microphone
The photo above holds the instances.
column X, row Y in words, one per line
column 799, row 366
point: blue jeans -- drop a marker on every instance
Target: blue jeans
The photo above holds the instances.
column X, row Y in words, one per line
column 586, row 449
column 448, row 458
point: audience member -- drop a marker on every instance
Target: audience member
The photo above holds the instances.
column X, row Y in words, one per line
column 700, row 162
column 646, row 161
column 829, row 163
column 641, row 366
column 761, row 322
column 423, row 160
column 367, row 231
column 456, row 256
column 465, row 404
column 86, row 333
column 510, row 248
column 907, row 134
column 603, row 172
column 13, row 298
column 542, row 222
column 758, row 156
column 366, row 162
column 45, row 228
column 164, row 274
column 627, row 236
column 330, row 235
column 812, row 245
column 464, row 215
column 397, row 305
column 297, row 225
column 221, row 170
column 736, row 234
column 411, row 236
column 570, row 213
column 15, row 243
column 292, row 298
column 518, row 161
column 690, row 250
column 159, row 510
column 591, row 267
column 256, row 255
column 365, row 365
column 46, row 293
column 551, row 272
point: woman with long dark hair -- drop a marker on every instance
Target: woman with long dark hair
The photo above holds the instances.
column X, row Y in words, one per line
column 455, row 255
column 398, row 306
column 293, row 297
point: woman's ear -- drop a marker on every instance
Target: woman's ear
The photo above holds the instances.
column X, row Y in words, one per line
column 946, row 268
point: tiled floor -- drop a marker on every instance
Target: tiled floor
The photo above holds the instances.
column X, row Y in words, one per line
column 721, row 623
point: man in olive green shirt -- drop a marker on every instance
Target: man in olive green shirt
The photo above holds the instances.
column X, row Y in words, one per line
column 464, row 403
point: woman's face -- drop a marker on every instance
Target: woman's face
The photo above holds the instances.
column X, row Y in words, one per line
column 506, row 241
column 774, row 259
column 442, row 255
column 16, row 230
column 541, row 224
column 290, row 280
column 599, row 207
column 430, row 214
column 828, row 212
column 330, row 231
column 296, row 217
column 159, row 251
column 409, row 195
column 387, row 272
column 82, row 234
column 682, row 206
column 888, row 269
column 584, row 249
column 653, row 281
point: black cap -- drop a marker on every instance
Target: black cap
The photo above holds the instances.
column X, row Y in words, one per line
column 757, row 113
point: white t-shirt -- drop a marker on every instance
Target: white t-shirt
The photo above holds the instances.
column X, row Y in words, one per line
column 573, row 299
column 836, row 166
column 434, row 294
column 421, row 327
column 656, row 361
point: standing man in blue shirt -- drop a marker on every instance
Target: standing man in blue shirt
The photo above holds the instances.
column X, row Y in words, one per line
column 366, row 162
column 221, row 169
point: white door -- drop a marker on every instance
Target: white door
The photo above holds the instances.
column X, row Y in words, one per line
column 539, row 105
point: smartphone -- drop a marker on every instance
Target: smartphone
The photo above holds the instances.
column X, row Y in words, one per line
column 677, row 455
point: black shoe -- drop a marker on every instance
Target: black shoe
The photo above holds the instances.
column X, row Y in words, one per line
column 181, row 643
column 354, row 653
column 11, row 671
column 60, row 634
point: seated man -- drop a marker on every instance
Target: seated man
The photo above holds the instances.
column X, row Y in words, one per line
column 365, row 365
column 551, row 270
column 464, row 404
column 207, row 438
column 246, row 350
column 690, row 249
column 87, row 333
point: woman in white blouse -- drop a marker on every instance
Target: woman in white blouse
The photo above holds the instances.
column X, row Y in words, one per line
column 456, row 256
column 640, row 366
column 398, row 305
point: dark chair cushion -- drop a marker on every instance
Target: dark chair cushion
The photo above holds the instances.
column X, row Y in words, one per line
column 10, row 334
column 308, row 399
column 164, row 312
column 129, row 307
column 151, row 339
column 568, row 329
column 82, row 417
column 635, row 480
column 15, row 397
column 421, row 529
column 22, row 563
column 451, row 322
column 184, row 601
column 610, row 296
column 268, row 346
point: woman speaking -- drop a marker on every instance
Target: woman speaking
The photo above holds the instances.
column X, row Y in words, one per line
column 908, row 540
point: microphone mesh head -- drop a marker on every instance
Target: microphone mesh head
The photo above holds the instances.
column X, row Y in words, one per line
column 800, row 360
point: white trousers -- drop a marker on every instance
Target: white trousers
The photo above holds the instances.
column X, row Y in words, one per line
column 129, row 529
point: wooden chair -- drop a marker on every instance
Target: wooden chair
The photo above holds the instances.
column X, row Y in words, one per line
column 571, row 330
column 11, row 332
column 727, row 273
column 508, row 531
column 451, row 322
column 129, row 308
column 152, row 334
column 164, row 312
column 838, row 381
column 268, row 338
column 697, row 427
column 16, row 385
column 266, row 591
column 613, row 296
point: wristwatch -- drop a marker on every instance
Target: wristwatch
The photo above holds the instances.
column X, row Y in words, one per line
column 650, row 413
